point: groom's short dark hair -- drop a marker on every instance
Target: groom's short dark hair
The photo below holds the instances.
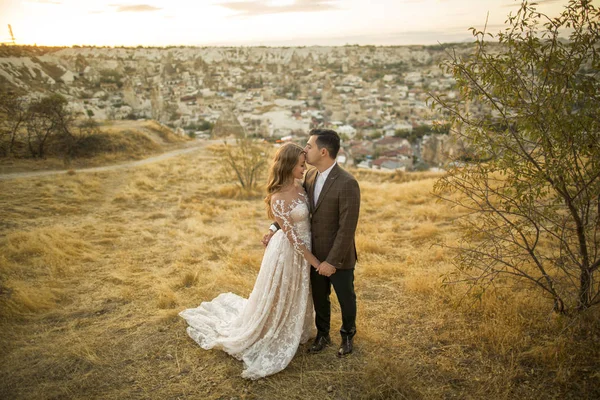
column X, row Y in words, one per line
column 327, row 138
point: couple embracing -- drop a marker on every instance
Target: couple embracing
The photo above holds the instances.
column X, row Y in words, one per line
column 309, row 249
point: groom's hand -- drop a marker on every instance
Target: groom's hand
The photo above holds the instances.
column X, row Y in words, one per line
column 326, row 269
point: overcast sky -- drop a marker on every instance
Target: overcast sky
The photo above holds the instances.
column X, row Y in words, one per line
column 253, row 22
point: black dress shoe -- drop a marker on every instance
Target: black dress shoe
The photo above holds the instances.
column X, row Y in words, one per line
column 319, row 344
column 345, row 347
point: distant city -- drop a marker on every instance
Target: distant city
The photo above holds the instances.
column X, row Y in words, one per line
column 377, row 98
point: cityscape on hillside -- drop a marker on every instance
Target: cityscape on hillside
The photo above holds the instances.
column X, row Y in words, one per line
column 376, row 98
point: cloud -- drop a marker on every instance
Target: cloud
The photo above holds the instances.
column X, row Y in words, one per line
column 135, row 8
column 264, row 7
column 398, row 38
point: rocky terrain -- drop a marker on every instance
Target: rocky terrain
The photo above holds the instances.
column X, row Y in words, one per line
column 367, row 93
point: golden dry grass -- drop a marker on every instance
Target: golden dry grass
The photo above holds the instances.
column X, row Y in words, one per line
column 94, row 268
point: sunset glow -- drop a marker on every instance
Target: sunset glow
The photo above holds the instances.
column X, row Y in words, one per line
column 255, row 22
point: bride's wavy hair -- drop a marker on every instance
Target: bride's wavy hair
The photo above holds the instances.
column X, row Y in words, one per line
column 280, row 173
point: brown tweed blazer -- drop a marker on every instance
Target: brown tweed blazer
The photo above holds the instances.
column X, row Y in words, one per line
column 334, row 217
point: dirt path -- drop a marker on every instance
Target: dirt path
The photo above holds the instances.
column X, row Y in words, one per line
column 160, row 157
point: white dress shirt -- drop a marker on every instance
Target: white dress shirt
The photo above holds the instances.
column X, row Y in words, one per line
column 321, row 178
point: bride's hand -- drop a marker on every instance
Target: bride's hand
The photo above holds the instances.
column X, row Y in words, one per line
column 265, row 240
column 326, row 269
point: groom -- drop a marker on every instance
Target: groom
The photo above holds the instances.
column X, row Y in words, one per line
column 334, row 198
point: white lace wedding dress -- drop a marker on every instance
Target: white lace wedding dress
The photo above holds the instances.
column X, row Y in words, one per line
column 264, row 331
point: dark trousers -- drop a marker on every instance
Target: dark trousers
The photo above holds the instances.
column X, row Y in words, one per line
column 343, row 284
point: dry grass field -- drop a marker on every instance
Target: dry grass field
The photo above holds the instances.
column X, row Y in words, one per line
column 94, row 268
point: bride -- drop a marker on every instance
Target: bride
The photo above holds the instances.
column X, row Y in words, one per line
column 264, row 331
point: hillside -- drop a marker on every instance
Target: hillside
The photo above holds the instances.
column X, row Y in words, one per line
column 30, row 69
column 113, row 141
column 366, row 92
column 95, row 267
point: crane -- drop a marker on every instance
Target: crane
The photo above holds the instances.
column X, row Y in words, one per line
column 12, row 37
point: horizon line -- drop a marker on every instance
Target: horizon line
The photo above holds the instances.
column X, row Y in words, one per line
column 104, row 46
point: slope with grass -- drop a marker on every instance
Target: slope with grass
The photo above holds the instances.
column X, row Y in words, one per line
column 95, row 267
column 114, row 141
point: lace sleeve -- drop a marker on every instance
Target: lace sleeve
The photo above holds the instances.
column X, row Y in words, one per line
column 282, row 210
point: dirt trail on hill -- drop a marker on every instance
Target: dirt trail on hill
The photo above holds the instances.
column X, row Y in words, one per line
column 131, row 164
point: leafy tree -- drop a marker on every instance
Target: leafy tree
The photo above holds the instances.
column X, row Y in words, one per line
column 73, row 138
column 13, row 118
column 201, row 125
column 205, row 125
column 47, row 119
column 375, row 135
column 416, row 134
column 411, row 136
column 422, row 130
column 51, row 125
column 111, row 76
column 534, row 196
